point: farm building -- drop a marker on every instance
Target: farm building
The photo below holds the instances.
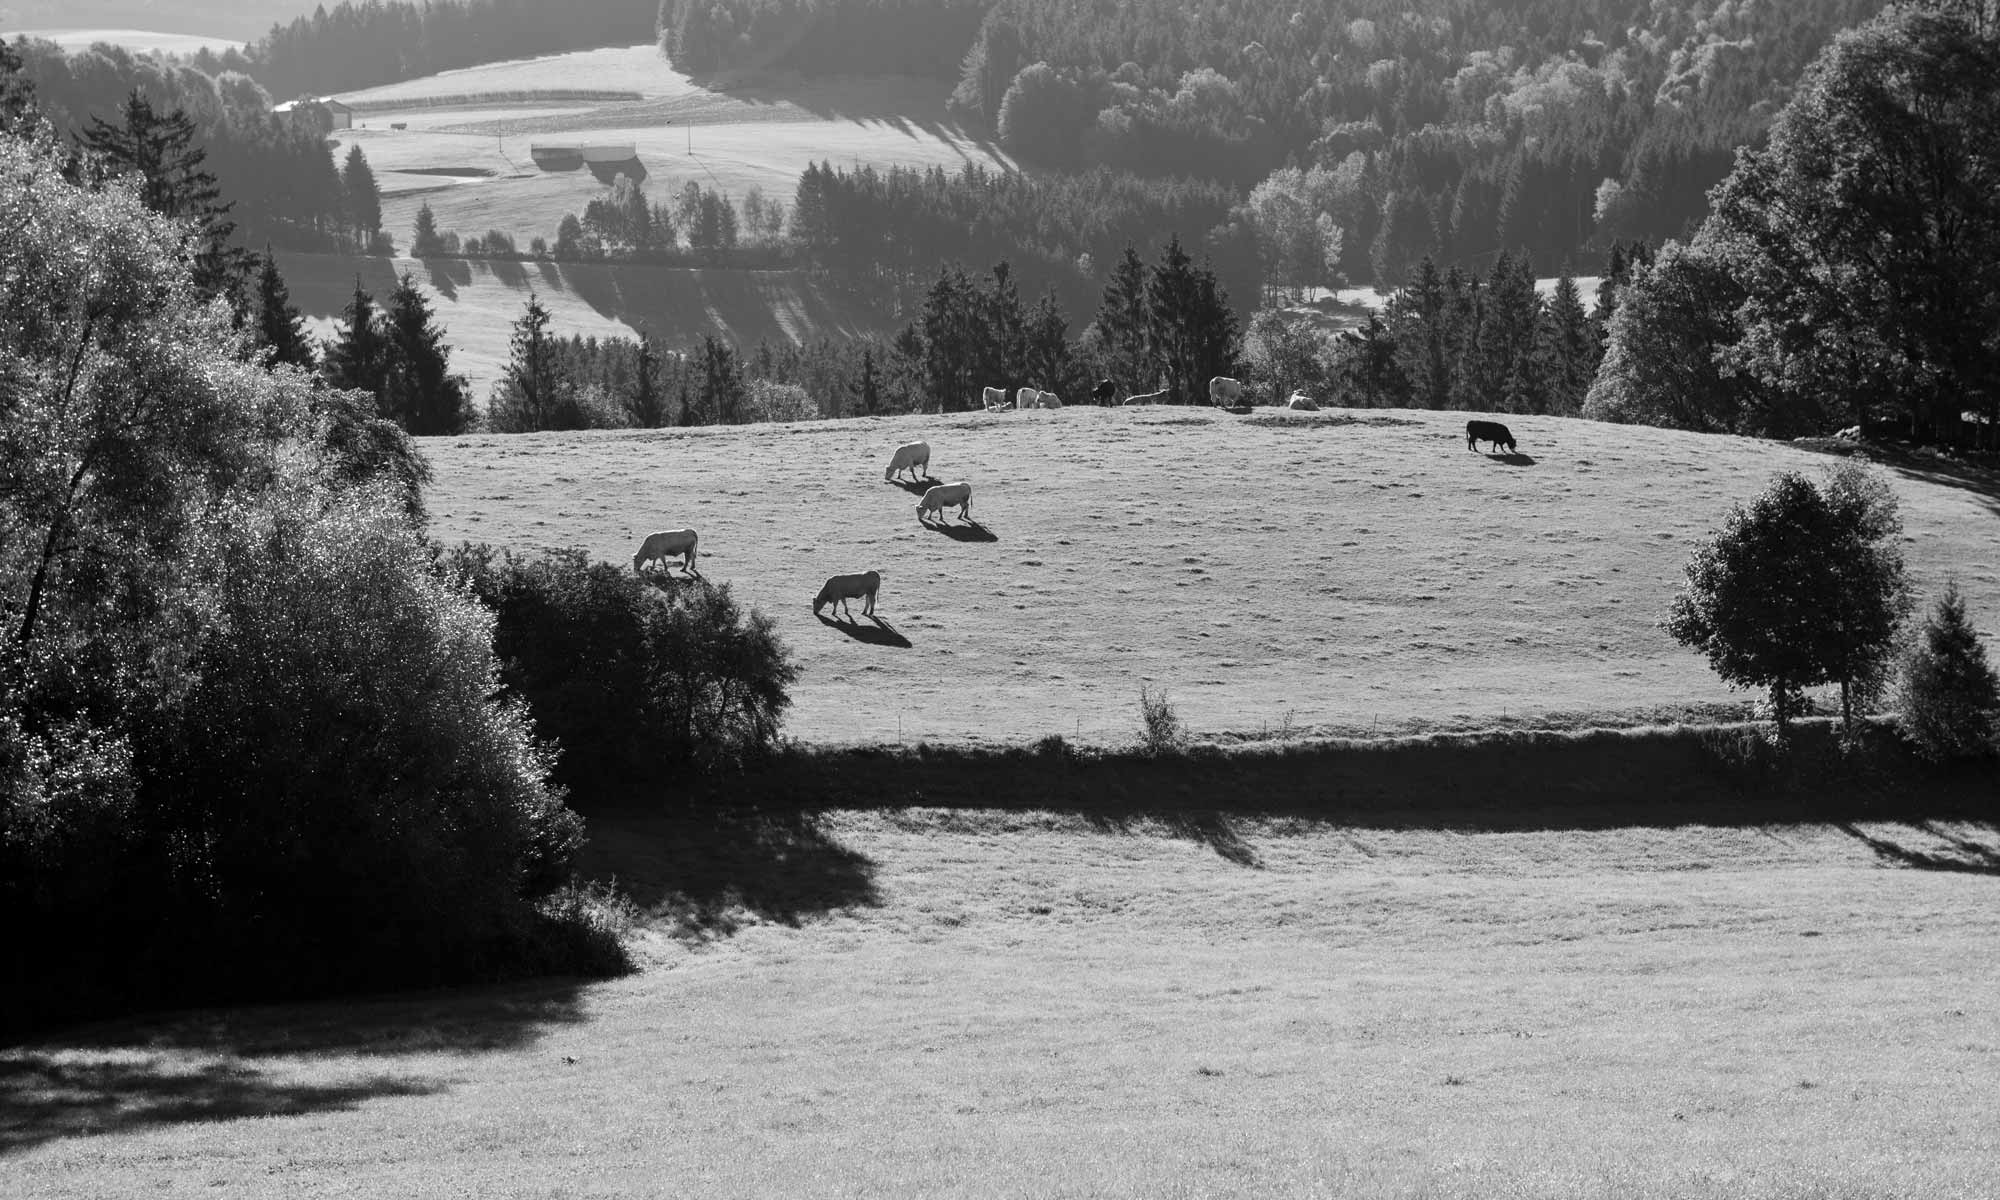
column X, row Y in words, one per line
column 330, row 111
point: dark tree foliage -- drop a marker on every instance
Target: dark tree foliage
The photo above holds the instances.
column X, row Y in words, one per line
column 358, row 357
column 161, row 152
column 838, row 37
column 630, row 678
column 17, row 92
column 537, row 392
column 280, row 330
column 424, row 239
column 1950, row 699
column 279, row 177
column 1804, row 587
column 361, row 198
column 352, row 46
column 420, row 393
column 1189, row 325
column 645, row 399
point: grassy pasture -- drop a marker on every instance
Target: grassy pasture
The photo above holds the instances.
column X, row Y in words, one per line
column 1356, row 571
column 137, row 23
column 964, row 1002
column 760, row 132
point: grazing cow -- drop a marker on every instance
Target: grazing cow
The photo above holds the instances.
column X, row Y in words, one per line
column 1104, row 392
column 1488, row 431
column 659, row 547
column 840, row 589
column 1027, row 398
column 993, row 398
column 1224, row 392
column 1302, row 402
column 914, row 457
column 943, row 496
column 1159, row 397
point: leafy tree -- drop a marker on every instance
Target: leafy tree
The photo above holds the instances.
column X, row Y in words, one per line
column 1662, row 364
column 424, row 240
column 421, row 394
column 1802, row 588
column 361, row 196
column 1043, row 114
column 1368, row 361
column 1866, row 234
column 1950, row 700
column 17, row 93
column 281, row 332
column 1285, row 353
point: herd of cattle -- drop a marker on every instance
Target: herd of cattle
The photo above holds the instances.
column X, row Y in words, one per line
column 914, row 460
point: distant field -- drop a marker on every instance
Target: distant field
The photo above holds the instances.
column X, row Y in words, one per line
column 1356, row 571
column 477, row 303
column 235, row 21
column 139, row 41
column 923, row 1003
column 759, row 134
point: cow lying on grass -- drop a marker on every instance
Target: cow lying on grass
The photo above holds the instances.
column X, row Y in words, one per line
column 1488, row 431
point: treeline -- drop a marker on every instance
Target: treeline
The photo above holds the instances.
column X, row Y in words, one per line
column 355, row 46
column 279, row 177
column 821, row 37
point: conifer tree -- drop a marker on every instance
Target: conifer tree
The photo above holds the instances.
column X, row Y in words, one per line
column 723, row 392
column 362, row 198
column 424, row 240
column 359, row 355
column 536, row 392
column 421, row 393
column 645, row 403
column 1122, row 323
column 1950, row 696
column 161, row 151
column 281, row 332
column 1570, row 348
column 868, row 388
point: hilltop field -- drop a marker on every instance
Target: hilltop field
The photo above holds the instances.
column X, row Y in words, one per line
column 1350, row 571
column 464, row 147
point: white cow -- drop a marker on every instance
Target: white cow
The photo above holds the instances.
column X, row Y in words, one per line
column 1302, row 402
column 1027, row 398
column 659, row 547
column 839, row 589
column 913, row 457
column 1158, row 397
column 1224, row 392
column 943, row 496
column 1051, row 400
column 993, row 398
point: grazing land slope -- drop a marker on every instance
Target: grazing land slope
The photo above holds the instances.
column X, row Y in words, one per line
column 963, row 1004
column 1349, row 571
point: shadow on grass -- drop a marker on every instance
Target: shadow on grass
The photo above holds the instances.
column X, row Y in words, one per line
column 1965, row 855
column 970, row 531
column 202, row 1065
column 916, row 487
column 44, row 1100
column 1205, row 827
column 1978, row 474
column 877, row 633
column 705, row 872
column 1514, row 459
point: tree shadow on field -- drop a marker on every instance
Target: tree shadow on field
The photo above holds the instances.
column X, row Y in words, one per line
column 1205, row 827
column 203, row 1065
column 446, row 275
column 917, row 487
column 705, row 872
column 1980, row 476
column 970, row 531
column 1963, row 855
column 879, row 633
column 1513, row 459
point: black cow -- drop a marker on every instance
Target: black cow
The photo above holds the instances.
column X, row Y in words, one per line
column 1488, row 431
column 1104, row 392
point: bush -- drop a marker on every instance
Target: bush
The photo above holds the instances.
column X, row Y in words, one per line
column 780, row 402
column 1950, row 698
column 1161, row 732
column 630, row 676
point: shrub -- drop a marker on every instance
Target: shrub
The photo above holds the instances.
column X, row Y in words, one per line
column 1950, row 697
column 1161, row 731
column 771, row 401
column 630, row 676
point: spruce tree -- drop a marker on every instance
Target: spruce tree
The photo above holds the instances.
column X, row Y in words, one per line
column 161, row 151
column 1046, row 359
column 536, row 392
column 421, row 394
column 359, row 355
column 1950, row 698
column 362, row 198
column 1170, row 315
column 424, row 240
column 723, row 393
column 868, row 388
column 1122, row 323
column 645, row 403
column 1570, row 349
column 281, row 332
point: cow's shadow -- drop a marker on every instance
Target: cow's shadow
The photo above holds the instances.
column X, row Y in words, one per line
column 875, row 632
column 1515, row 459
column 970, row 531
column 916, row 487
